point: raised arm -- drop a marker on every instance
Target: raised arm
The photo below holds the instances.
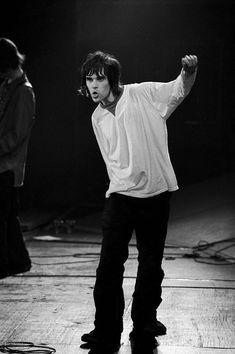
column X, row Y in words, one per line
column 182, row 85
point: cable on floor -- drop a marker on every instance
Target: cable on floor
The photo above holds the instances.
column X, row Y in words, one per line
column 201, row 253
column 204, row 252
column 26, row 347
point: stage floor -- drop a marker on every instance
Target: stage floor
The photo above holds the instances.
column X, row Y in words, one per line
column 53, row 304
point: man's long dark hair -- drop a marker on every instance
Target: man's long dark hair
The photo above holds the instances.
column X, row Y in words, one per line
column 101, row 63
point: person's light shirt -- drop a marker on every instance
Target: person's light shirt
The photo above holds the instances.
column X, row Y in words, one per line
column 133, row 142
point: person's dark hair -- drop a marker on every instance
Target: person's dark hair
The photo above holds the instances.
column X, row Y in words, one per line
column 10, row 57
column 101, row 63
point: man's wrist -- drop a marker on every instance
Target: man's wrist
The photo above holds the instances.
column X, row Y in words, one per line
column 189, row 70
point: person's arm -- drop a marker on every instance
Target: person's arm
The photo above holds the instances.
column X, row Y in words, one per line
column 174, row 92
column 21, row 116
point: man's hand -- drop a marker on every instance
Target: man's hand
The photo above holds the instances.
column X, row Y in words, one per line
column 189, row 63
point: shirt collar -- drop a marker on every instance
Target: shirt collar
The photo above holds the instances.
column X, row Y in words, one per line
column 112, row 104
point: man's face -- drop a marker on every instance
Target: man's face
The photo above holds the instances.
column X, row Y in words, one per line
column 99, row 88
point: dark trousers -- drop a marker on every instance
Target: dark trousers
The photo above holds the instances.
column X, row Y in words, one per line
column 122, row 215
column 13, row 252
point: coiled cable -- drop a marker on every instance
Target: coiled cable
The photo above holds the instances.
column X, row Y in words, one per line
column 26, row 347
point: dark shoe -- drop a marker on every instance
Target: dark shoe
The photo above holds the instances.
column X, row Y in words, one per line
column 92, row 337
column 157, row 328
column 20, row 268
column 96, row 341
column 142, row 342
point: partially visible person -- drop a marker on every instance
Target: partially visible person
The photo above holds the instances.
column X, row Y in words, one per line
column 17, row 114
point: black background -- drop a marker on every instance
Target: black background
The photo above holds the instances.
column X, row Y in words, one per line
column 64, row 167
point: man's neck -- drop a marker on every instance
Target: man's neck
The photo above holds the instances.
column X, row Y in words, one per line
column 111, row 98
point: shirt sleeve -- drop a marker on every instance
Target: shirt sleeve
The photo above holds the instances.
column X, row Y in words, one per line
column 20, row 117
column 166, row 96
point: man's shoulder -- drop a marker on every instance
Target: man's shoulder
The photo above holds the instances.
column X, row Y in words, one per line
column 25, row 90
column 139, row 86
column 27, row 83
column 141, row 89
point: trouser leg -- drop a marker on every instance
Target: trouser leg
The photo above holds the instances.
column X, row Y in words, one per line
column 151, row 229
column 17, row 252
column 13, row 253
column 108, row 291
column 6, row 185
